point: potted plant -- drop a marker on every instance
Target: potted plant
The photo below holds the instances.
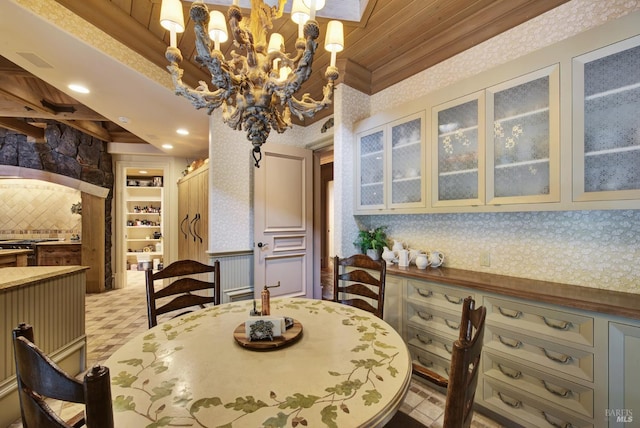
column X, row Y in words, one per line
column 372, row 241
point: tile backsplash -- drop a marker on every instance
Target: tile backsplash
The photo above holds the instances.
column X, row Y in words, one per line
column 32, row 209
column 598, row 249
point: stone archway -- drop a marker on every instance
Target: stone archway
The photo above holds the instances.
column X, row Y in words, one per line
column 76, row 160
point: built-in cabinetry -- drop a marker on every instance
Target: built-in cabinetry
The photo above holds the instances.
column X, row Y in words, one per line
column 390, row 167
column 193, row 201
column 605, row 122
column 547, row 360
column 499, row 145
column 58, row 254
column 143, row 217
column 502, row 140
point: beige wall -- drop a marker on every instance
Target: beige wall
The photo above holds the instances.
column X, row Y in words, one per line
column 37, row 209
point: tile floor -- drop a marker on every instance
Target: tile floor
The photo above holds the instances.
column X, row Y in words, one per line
column 113, row 317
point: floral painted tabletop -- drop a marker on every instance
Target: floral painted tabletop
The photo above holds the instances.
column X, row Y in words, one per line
column 348, row 369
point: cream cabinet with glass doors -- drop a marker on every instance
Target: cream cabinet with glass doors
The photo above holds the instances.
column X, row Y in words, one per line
column 499, row 145
column 390, row 166
column 606, row 131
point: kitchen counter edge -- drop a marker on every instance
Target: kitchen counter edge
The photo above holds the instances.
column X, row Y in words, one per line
column 14, row 277
column 599, row 300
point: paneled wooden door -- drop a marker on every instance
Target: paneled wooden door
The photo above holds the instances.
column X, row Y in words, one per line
column 283, row 229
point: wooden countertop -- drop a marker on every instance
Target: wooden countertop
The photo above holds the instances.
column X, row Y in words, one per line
column 14, row 252
column 44, row 243
column 13, row 277
column 574, row 296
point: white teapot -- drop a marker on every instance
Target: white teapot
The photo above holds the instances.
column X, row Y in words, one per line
column 436, row 258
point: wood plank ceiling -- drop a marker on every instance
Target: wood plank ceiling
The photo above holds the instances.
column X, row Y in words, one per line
column 395, row 40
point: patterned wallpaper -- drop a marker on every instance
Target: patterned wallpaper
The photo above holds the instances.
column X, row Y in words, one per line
column 599, row 249
column 37, row 209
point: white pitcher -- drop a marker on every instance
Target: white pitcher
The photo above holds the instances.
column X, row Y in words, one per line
column 436, row 258
column 422, row 261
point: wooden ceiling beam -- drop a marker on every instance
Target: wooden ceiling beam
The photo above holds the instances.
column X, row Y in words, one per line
column 22, row 127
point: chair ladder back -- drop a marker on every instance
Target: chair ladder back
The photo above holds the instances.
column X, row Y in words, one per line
column 360, row 282
column 39, row 377
column 182, row 286
column 465, row 366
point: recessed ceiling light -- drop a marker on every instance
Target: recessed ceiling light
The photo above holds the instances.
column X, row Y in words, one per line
column 123, row 119
column 142, row 171
column 79, row 88
column 167, row 146
column 182, row 131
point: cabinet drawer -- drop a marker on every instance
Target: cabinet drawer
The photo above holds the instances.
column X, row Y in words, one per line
column 562, row 360
column 569, row 395
column 436, row 344
column 525, row 410
column 431, row 361
column 433, row 294
column 563, row 326
column 434, row 319
column 66, row 255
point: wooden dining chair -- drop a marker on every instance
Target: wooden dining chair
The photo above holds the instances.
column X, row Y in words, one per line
column 180, row 289
column 351, row 282
column 39, row 378
column 464, row 369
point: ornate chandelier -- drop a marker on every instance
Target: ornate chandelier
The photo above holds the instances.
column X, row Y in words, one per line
column 256, row 86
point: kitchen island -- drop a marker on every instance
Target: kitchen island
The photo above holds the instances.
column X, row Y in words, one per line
column 52, row 300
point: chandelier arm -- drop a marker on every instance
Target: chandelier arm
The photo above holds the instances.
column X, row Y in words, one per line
column 241, row 37
column 307, row 106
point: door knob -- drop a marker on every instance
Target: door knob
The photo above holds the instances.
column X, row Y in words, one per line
column 260, row 245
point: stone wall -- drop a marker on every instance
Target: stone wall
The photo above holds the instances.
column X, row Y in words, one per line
column 71, row 153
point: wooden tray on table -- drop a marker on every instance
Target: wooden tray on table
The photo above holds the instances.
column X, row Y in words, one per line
column 290, row 336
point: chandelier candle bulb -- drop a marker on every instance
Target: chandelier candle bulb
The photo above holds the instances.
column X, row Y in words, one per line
column 276, row 42
column 172, row 19
column 299, row 15
column 334, row 41
column 217, row 28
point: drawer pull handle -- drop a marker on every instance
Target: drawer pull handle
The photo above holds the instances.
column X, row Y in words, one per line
column 425, row 363
column 425, row 341
column 513, row 374
column 426, row 317
column 452, row 326
column 516, row 314
column 515, row 403
column 563, row 359
column 446, row 348
column 423, row 293
column 446, row 370
column 555, row 424
column 564, row 325
column 457, row 301
column 514, row 344
column 560, row 393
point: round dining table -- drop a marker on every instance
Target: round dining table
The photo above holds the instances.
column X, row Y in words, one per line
column 345, row 368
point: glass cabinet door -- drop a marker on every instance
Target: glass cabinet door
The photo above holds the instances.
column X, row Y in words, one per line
column 523, row 125
column 606, row 123
column 458, row 155
column 406, row 162
column 371, row 169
